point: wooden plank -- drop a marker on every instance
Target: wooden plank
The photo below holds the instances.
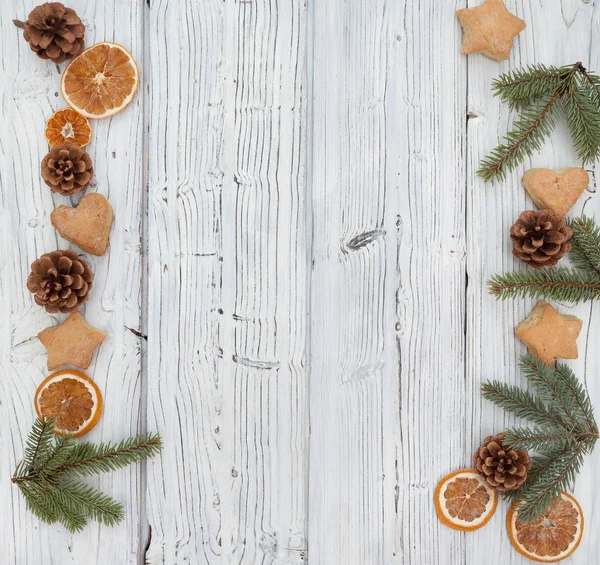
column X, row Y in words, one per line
column 29, row 90
column 227, row 282
column 557, row 33
column 428, row 113
column 387, row 368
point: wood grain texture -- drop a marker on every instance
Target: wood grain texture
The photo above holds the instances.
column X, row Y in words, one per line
column 355, row 447
column 30, row 94
column 227, row 282
column 309, row 264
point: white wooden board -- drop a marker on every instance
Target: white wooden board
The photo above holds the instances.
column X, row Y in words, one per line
column 301, row 235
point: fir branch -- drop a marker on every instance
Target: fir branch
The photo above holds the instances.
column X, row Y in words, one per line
column 577, row 396
column 91, row 503
column 556, row 283
column 535, row 91
column 544, row 439
column 518, row 87
column 583, row 119
column 57, row 457
column 554, row 476
column 585, row 244
column 549, row 389
column 89, row 459
column 529, row 132
column 594, row 81
column 564, row 430
column 521, row 403
column 45, row 476
column 38, row 443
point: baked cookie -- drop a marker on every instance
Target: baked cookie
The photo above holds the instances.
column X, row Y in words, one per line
column 489, row 29
column 548, row 334
column 71, row 343
column 556, row 190
column 88, row 225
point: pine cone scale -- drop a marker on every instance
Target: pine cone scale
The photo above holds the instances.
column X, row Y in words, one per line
column 502, row 469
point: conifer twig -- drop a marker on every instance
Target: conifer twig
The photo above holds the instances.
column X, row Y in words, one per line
column 565, row 430
column 46, row 475
column 537, row 92
column 520, row 86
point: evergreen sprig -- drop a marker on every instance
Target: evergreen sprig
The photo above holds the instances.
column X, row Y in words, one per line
column 578, row 284
column 564, row 430
column 538, row 92
column 47, row 475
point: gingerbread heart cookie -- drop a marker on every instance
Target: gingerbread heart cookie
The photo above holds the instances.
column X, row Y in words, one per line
column 88, row 225
column 557, row 190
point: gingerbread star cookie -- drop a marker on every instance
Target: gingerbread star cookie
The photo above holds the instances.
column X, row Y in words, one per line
column 556, row 190
column 71, row 343
column 489, row 29
column 548, row 334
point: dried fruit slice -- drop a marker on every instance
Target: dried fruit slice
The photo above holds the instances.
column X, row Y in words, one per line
column 463, row 500
column 69, row 127
column 552, row 537
column 72, row 399
column 101, row 81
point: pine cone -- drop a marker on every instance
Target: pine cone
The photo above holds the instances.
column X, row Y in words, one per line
column 540, row 238
column 67, row 169
column 54, row 32
column 60, row 280
column 502, row 468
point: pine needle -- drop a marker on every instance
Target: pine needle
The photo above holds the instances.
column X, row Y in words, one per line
column 564, row 431
column 537, row 92
column 50, row 464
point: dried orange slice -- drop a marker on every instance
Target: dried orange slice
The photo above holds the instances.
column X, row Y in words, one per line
column 553, row 536
column 101, row 81
column 68, row 127
column 72, row 399
column 464, row 501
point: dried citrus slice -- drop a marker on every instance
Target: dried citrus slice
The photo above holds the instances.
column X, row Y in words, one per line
column 464, row 501
column 68, row 127
column 72, row 399
column 553, row 536
column 101, row 81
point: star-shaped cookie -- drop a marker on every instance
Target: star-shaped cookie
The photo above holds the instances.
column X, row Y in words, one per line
column 71, row 343
column 489, row 29
column 548, row 334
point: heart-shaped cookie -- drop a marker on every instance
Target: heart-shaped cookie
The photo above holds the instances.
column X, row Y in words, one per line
column 557, row 190
column 88, row 225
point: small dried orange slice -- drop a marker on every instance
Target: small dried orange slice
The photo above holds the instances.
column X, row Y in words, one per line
column 101, row 81
column 464, row 501
column 553, row 536
column 68, row 127
column 72, row 399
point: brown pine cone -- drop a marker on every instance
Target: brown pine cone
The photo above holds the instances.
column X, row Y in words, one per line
column 67, row 169
column 60, row 281
column 501, row 467
column 540, row 238
column 54, row 32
